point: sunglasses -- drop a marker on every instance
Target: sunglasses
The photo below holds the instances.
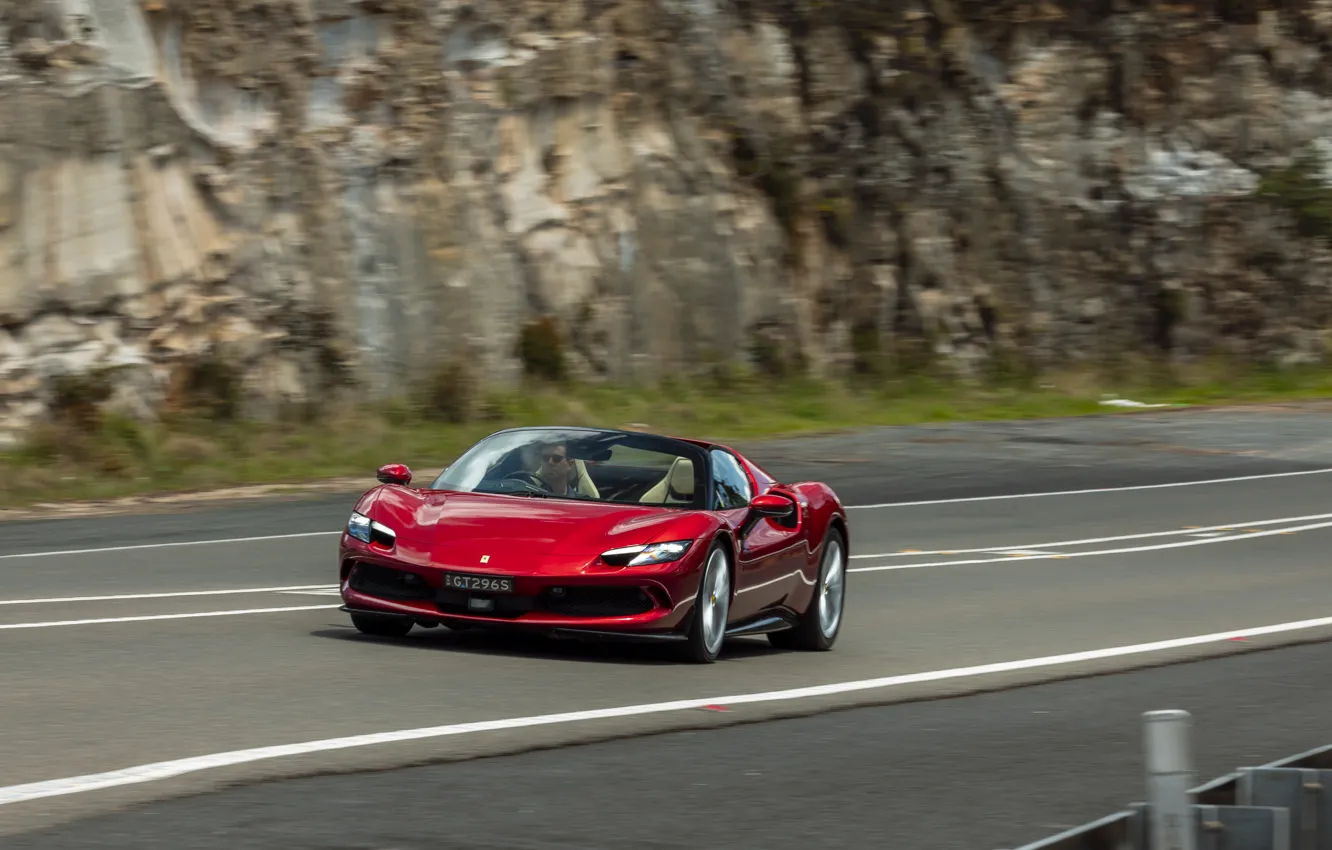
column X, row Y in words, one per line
column 553, row 459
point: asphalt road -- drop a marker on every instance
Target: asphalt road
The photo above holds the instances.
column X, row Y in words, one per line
column 95, row 684
column 984, row 773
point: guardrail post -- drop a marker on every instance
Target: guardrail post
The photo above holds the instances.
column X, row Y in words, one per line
column 1168, row 739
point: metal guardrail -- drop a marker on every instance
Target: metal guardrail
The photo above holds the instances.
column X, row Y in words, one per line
column 1281, row 805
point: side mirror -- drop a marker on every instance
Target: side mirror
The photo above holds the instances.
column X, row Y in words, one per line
column 394, row 473
column 772, row 507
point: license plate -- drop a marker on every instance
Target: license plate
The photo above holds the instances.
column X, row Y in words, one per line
column 478, row 584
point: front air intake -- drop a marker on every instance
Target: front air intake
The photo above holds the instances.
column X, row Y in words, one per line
column 388, row 583
column 595, row 601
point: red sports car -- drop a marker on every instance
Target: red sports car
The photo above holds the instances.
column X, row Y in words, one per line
column 590, row 532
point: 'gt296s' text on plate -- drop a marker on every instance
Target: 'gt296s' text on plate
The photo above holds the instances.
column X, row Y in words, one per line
column 486, row 584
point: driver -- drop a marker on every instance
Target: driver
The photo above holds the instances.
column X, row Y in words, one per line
column 557, row 472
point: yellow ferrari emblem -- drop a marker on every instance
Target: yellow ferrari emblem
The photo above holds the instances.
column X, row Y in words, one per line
column 485, row 559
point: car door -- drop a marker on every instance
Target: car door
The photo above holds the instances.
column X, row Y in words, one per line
column 769, row 554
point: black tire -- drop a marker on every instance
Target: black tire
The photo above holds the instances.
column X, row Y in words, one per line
column 716, row 576
column 389, row 627
column 809, row 635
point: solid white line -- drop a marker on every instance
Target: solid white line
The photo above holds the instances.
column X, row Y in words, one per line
column 1174, row 532
column 138, row 546
column 157, row 771
column 1155, row 547
column 1089, row 491
column 55, row 600
column 1000, row 497
column 1021, row 553
column 1010, row 555
column 146, row 618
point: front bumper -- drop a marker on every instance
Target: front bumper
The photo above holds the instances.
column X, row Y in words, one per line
column 620, row 603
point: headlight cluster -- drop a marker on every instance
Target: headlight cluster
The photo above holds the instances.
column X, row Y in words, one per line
column 367, row 530
column 650, row 553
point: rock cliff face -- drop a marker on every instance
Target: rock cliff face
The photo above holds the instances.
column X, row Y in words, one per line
column 318, row 192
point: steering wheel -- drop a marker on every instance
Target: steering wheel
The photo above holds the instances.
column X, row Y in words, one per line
column 525, row 477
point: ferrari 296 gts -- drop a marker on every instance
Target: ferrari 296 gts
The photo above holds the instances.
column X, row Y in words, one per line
column 599, row 533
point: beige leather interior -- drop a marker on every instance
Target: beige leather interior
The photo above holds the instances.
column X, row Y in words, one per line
column 676, row 487
column 583, row 481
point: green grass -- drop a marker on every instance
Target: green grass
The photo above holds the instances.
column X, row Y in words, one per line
column 113, row 458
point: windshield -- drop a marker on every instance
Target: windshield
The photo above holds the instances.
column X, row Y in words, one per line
column 582, row 463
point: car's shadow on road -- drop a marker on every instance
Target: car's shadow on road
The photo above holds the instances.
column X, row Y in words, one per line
column 498, row 642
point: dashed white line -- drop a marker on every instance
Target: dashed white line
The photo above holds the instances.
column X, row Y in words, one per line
column 158, row 771
column 119, row 597
column 1086, row 541
column 1155, row 547
column 177, row 543
column 148, row 617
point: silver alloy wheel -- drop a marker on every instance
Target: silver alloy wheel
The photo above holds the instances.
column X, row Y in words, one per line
column 715, row 597
column 832, row 591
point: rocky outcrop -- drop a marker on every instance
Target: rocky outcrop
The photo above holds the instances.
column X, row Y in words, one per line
column 328, row 193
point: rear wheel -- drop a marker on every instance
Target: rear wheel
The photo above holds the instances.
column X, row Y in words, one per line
column 370, row 624
column 822, row 621
column 712, row 608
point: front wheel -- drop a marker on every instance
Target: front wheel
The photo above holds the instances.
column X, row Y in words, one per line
column 390, row 627
column 712, row 608
column 822, row 621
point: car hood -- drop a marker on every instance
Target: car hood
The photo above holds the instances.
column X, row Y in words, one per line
column 464, row 527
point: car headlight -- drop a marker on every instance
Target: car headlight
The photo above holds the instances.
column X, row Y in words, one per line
column 650, row 553
column 367, row 530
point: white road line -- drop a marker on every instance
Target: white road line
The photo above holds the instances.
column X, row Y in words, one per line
column 1155, row 547
column 1174, row 532
column 1011, row 553
column 157, row 771
column 138, row 546
column 146, row 618
column 1093, row 490
column 55, row 600
column 1000, row 497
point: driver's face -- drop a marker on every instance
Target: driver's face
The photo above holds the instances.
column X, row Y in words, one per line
column 555, row 463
